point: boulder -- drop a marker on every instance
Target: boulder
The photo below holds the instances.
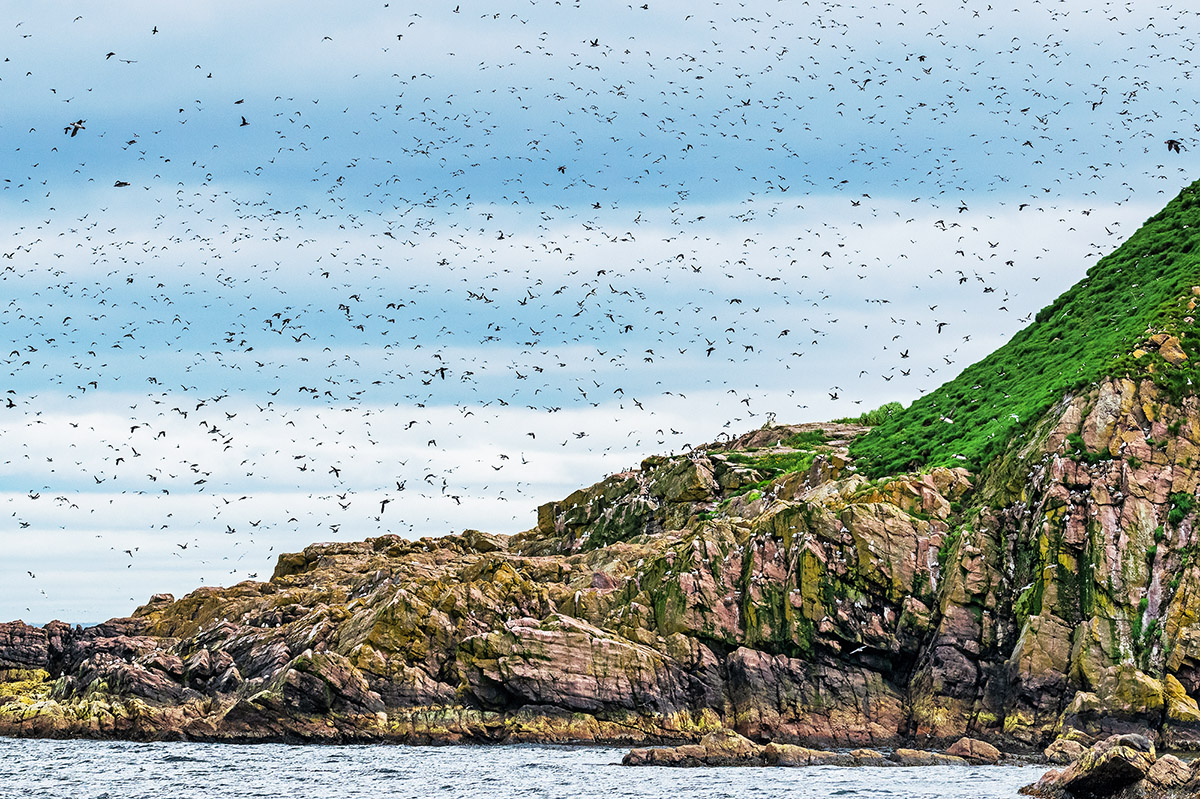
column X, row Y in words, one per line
column 727, row 748
column 719, row 748
column 919, row 757
column 1171, row 350
column 1106, row 769
column 1047, row 785
column 1064, row 751
column 1169, row 771
column 869, row 757
column 637, row 757
column 975, row 751
column 775, row 754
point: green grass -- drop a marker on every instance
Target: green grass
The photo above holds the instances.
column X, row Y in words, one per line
column 807, row 440
column 877, row 416
column 772, row 465
column 1088, row 333
column 775, row 463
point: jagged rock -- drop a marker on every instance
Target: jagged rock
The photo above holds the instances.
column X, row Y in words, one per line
column 23, row 647
column 1105, row 770
column 482, row 542
column 227, row 682
column 324, row 681
column 157, row 601
column 199, row 667
column 1169, row 771
column 1053, row 592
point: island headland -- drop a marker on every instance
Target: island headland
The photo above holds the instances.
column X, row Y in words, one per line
column 1014, row 558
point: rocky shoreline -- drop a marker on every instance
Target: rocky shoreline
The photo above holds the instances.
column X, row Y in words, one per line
column 727, row 748
column 758, row 587
column 1118, row 767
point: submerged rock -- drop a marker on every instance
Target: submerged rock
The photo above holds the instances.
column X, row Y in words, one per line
column 727, row 748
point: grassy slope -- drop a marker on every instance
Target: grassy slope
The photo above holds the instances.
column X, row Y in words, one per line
column 1086, row 334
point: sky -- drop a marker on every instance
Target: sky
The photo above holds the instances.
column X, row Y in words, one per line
column 279, row 273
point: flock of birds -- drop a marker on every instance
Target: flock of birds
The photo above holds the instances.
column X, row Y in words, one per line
column 273, row 281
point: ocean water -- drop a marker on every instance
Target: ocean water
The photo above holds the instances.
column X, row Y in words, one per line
column 122, row 770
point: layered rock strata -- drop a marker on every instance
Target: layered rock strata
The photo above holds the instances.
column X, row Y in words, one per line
column 758, row 585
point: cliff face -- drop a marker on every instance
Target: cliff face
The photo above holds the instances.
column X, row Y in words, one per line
column 1072, row 603
column 760, row 585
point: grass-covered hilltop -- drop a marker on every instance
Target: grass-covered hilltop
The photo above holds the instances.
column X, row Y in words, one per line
column 1102, row 327
column 1014, row 557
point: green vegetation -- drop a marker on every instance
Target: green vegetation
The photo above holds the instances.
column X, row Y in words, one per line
column 772, row 464
column 1181, row 505
column 1079, row 451
column 775, row 463
column 807, row 439
column 875, row 417
column 1029, row 602
column 947, row 548
column 1088, row 333
column 1135, row 624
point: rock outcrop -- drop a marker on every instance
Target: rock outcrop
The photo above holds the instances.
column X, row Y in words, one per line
column 751, row 590
column 1120, row 767
column 770, row 591
column 727, row 748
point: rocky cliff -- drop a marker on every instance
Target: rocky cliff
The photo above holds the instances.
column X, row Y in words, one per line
column 763, row 585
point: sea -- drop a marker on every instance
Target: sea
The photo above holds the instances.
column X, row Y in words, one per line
column 124, row 770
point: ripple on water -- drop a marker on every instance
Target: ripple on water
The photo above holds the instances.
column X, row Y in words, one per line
column 181, row 759
column 98, row 770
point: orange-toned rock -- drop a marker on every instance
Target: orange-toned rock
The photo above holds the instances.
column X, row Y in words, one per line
column 974, row 751
column 1171, row 351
